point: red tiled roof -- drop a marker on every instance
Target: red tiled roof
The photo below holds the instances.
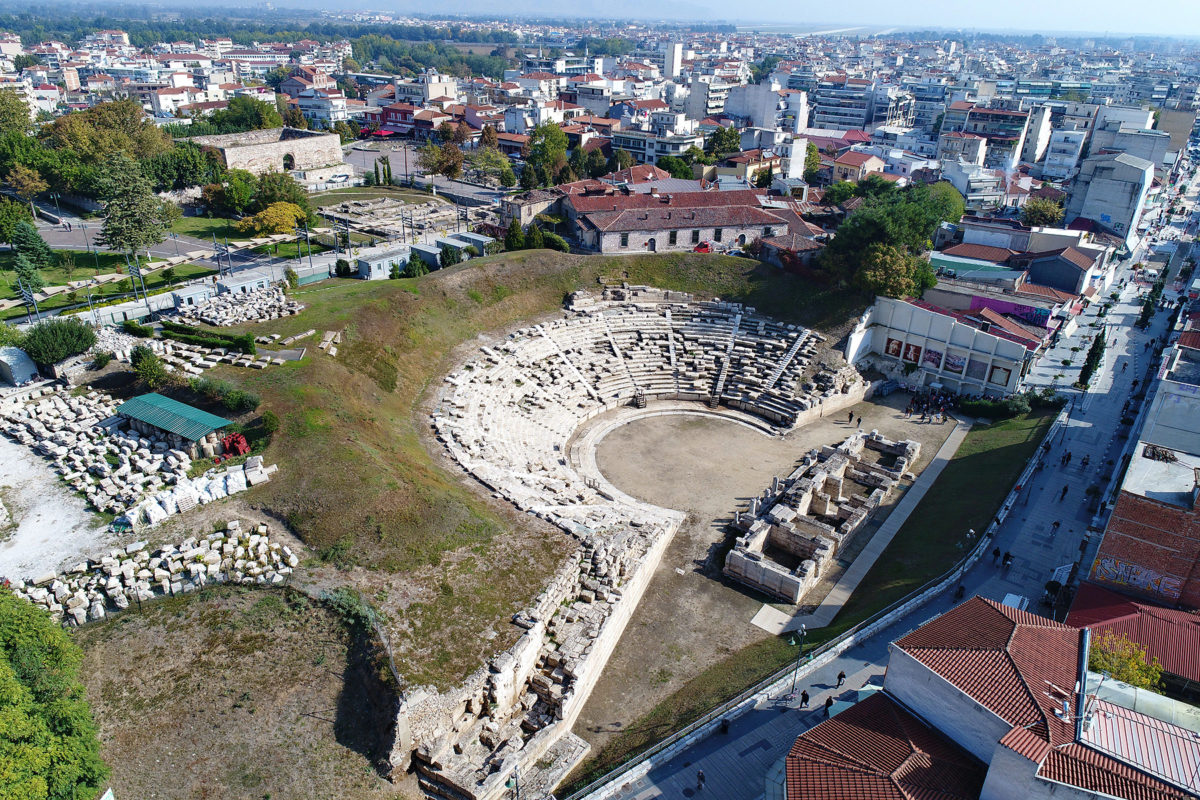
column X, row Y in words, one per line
column 1047, row 292
column 1167, row 634
column 795, row 242
column 740, row 197
column 876, row 750
column 1190, row 339
column 665, row 217
column 980, row 252
column 1070, row 254
column 1003, row 659
column 1013, row 327
column 1081, row 766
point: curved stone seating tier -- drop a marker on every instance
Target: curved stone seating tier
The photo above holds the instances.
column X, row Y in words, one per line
column 510, row 418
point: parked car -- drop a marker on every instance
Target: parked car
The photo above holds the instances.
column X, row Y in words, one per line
column 703, row 247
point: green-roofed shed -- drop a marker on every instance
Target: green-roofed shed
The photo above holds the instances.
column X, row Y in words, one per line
column 152, row 413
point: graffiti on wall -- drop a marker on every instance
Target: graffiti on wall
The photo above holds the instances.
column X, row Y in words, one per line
column 1122, row 573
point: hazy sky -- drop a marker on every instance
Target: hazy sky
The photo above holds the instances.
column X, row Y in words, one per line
column 1117, row 17
column 1171, row 17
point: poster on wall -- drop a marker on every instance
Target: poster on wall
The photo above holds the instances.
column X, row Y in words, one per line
column 955, row 362
column 893, row 348
column 1000, row 376
column 912, row 353
column 976, row 369
column 933, row 358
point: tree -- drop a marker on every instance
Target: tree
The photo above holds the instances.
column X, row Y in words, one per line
column 48, row 742
column 488, row 161
column 445, row 132
column 488, row 138
column 676, row 166
column 293, row 117
column 275, row 219
column 246, row 114
column 344, row 131
column 29, row 243
column 951, row 205
column 27, row 183
column 279, row 187
column 514, row 237
column 451, row 161
column 107, row 128
column 507, row 177
column 27, row 273
column 10, row 335
column 723, row 141
column 134, row 218
column 12, row 212
column 1125, row 660
column 533, row 238
column 547, row 150
column 890, row 271
column 450, row 256
column 764, row 178
column 619, row 160
column 462, row 134
column 1042, row 211
column 14, row 113
column 183, row 166
column 52, row 340
column 151, row 371
column 239, row 191
column 838, row 193
column 445, row 159
column 169, row 275
column 812, row 163
column 25, row 61
column 66, row 263
column 416, row 266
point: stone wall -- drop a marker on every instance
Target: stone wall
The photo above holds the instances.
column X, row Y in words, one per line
column 266, row 150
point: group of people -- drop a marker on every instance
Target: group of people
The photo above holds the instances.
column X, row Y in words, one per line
column 931, row 405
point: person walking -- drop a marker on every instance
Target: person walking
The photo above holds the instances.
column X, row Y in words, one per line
column 1063, row 496
column 804, row 698
column 699, row 780
column 828, row 704
column 1054, row 526
column 841, row 679
column 1008, row 559
column 995, row 556
column 849, row 417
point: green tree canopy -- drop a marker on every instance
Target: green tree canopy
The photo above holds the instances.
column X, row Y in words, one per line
column 134, row 218
column 14, row 112
column 488, row 138
column 275, row 219
column 52, row 340
column 676, row 166
column 1125, row 660
column 619, row 160
column 29, row 243
column 279, row 187
column 1042, row 211
column 547, row 150
column 48, row 740
column 12, row 212
column 514, row 237
column 838, row 193
column 890, row 271
column 723, row 141
column 812, row 163
column 27, row 273
column 117, row 127
column 246, row 114
column 533, row 238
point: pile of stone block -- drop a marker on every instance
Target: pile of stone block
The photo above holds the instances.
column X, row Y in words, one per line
column 238, row 308
column 115, row 467
column 93, row 589
column 111, row 340
column 193, row 360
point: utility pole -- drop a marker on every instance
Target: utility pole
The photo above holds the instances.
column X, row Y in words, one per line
column 791, row 695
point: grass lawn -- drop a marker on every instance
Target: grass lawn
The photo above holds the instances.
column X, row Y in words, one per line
column 109, row 291
column 966, row 495
column 205, row 228
column 85, row 267
column 292, row 249
column 370, row 193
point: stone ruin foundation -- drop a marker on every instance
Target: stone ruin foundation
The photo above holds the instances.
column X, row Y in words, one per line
column 790, row 535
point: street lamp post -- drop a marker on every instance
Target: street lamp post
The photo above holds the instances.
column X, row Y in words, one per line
column 791, row 695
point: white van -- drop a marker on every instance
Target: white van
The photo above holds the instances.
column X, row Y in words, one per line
column 1017, row 601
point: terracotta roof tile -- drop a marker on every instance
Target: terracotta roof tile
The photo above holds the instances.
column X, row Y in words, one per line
column 980, row 252
column 876, row 750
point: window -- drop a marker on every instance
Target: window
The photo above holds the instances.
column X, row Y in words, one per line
column 766, row 231
column 695, row 237
column 624, row 240
column 673, row 237
column 717, row 234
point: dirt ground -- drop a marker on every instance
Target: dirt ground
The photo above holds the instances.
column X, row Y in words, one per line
column 231, row 693
column 690, row 615
column 47, row 524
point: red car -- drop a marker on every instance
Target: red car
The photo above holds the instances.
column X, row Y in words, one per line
column 703, row 247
